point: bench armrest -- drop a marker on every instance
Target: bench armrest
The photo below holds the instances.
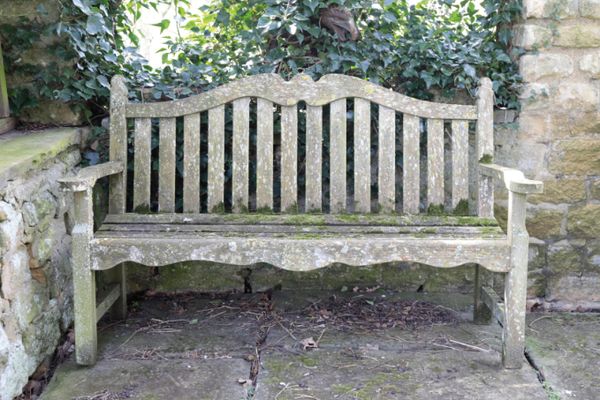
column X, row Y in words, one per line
column 513, row 179
column 87, row 177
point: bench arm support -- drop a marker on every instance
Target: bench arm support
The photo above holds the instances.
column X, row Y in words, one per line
column 513, row 179
column 515, row 288
column 87, row 177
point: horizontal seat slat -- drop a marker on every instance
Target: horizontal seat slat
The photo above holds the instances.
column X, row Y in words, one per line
column 299, row 252
column 108, row 230
column 300, row 219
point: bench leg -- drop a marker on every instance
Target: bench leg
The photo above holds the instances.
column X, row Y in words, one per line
column 119, row 275
column 515, row 288
column 481, row 314
column 84, row 294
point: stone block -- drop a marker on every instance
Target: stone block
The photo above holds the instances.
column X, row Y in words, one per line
column 564, row 258
column 549, row 8
column 574, row 288
column 186, row 276
column 589, row 8
column 11, row 229
column 531, row 36
column 583, row 222
column 578, row 95
column 595, row 189
column 536, row 96
column 560, row 191
column 543, row 224
column 534, row 126
column 579, row 156
column 579, row 35
column 590, row 62
column 544, row 65
column 593, row 254
column 570, row 122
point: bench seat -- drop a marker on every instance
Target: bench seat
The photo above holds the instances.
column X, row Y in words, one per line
column 299, row 242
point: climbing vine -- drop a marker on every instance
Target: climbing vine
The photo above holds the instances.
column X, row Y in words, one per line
column 432, row 48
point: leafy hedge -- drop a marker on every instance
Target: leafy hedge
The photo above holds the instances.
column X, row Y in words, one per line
column 435, row 46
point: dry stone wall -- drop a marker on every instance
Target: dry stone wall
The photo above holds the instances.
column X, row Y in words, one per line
column 558, row 141
column 35, row 274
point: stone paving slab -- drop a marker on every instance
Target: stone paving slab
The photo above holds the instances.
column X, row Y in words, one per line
column 150, row 380
column 197, row 347
column 566, row 349
column 375, row 374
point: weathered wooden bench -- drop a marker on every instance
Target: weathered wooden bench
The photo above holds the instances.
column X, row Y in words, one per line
column 330, row 217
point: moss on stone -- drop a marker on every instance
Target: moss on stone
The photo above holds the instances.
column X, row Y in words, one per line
column 435, row 209
column 486, row 159
column 462, row 208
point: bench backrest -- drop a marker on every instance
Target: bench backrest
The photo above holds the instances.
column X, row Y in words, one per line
column 439, row 131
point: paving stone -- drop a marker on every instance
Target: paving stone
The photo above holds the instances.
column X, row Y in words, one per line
column 566, row 349
column 151, row 379
column 376, row 374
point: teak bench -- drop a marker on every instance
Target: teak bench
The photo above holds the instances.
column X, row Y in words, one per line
column 330, row 217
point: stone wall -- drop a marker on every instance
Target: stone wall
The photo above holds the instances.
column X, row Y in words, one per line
column 41, row 55
column 35, row 274
column 558, row 141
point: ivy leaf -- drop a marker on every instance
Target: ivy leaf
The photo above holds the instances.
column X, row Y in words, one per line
column 469, row 70
column 163, row 25
column 95, row 24
column 83, row 6
column 103, row 81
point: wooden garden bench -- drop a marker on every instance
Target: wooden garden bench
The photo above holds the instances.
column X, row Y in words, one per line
column 300, row 210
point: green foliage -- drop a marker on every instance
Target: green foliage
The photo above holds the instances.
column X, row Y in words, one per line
column 88, row 47
column 435, row 46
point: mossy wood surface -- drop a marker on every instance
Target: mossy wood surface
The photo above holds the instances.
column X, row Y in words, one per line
column 298, row 238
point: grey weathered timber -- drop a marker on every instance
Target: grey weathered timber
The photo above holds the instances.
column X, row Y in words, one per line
column 264, row 154
column 191, row 163
column 142, row 142
column 435, row 162
column 216, row 157
column 410, row 165
column 241, row 154
column 387, row 159
column 314, row 158
column 460, row 162
column 301, row 238
column 485, row 145
column 337, row 157
column 118, row 143
column 4, row 106
column 362, row 156
column 166, row 165
column 302, row 88
column 289, row 158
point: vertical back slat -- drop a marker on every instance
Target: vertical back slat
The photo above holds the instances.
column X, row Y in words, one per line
column 314, row 158
column 118, row 144
column 362, row 155
column 460, row 161
column 191, row 163
column 216, row 157
column 241, row 154
column 142, row 142
column 485, row 146
column 411, row 164
column 337, row 156
column 435, row 162
column 166, row 162
column 264, row 154
column 289, row 157
column 387, row 159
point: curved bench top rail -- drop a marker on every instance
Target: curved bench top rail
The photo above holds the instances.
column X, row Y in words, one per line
column 274, row 88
